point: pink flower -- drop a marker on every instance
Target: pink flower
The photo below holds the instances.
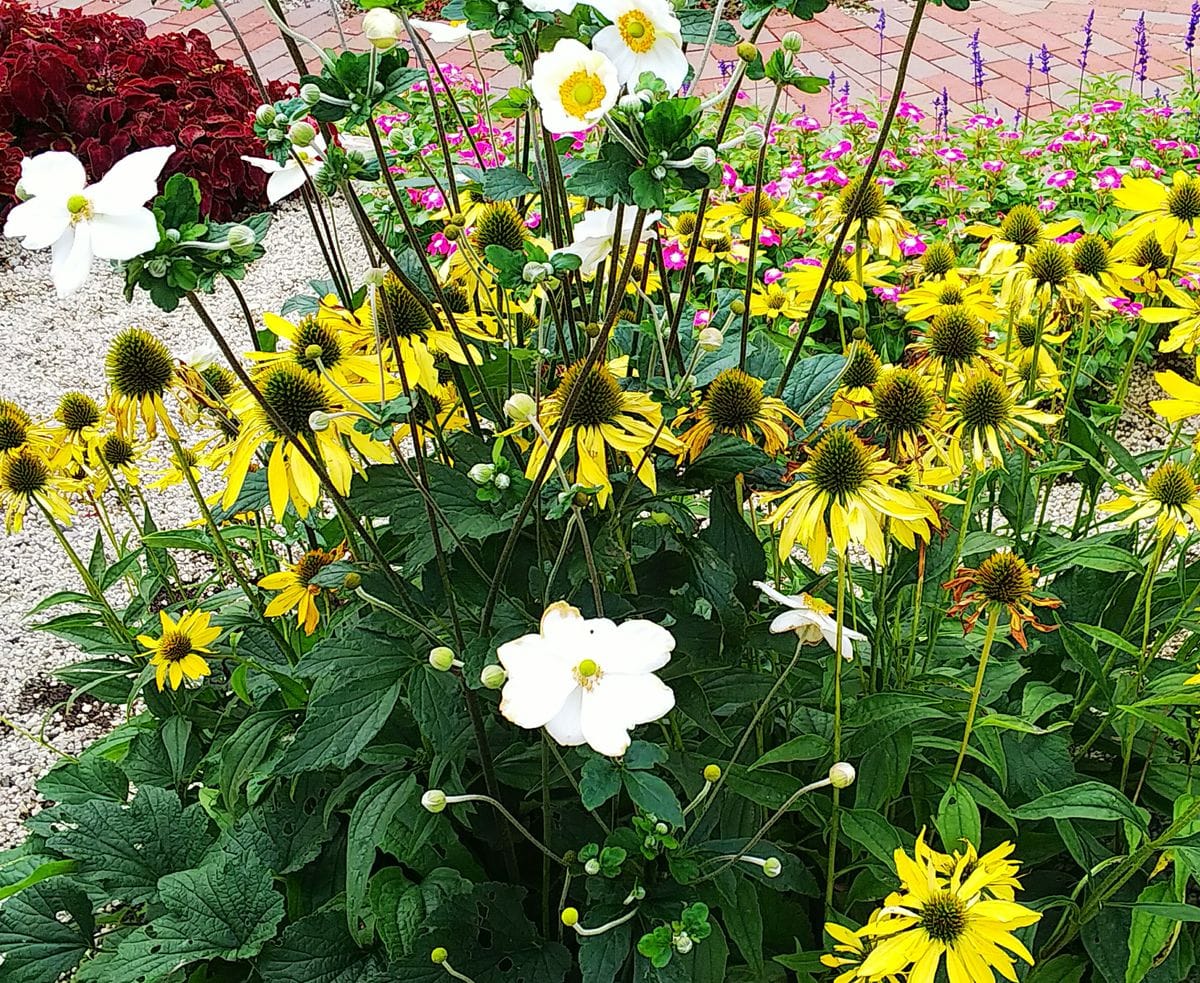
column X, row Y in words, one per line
column 702, row 319
column 909, row 111
column 772, row 275
column 993, row 166
column 1047, row 205
column 888, row 295
column 1130, row 308
column 837, row 151
column 806, row 123
column 950, row 155
column 534, row 220
column 769, row 237
column 729, row 177
column 912, row 245
column 827, row 175
column 674, row 256
column 1108, row 106
column 1061, row 179
column 1189, row 282
column 1106, row 179
column 1069, row 237
column 439, row 245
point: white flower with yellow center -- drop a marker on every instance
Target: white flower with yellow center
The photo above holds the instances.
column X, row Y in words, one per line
column 644, row 37
column 574, row 86
column 593, row 235
column 107, row 219
column 811, row 619
column 587, row 680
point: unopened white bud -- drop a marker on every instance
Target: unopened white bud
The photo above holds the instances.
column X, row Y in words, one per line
column 592, row 867
column 630, row 103
column 755, row 138
column 502, row 481
column 772, row 867
column 520, row 407
column 242, row 240
column 704, row 158
column 711, row 340
column 792, row 42
column 382, row 28
column 435, row 799
column 310, row 92
column 842, row 775
column 482, row 474
column 682, row 943
column 493, row 676
column 265, row 114
column 535, row 272
column 319, row 420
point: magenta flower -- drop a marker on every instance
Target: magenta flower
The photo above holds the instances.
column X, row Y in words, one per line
column 1061, row 179
column 439, row 245
column 993, row 166
column 769, row 237
column 674, row 256
column 837, row 151
column 888, row 295
column 912, row 245
column 1106, row 179
column 950, row 155
column 1108, row 106
column 702, row 318
column 772, row 275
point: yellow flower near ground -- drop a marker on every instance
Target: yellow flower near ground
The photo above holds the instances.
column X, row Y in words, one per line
column 178, row 654
column 296, row 590
column 734, row 403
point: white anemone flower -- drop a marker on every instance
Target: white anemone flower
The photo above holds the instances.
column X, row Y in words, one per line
column 286, row 179
column 593, row 235
column 445, row 32
column 549, row 6
column 811, row 619
column 587, row 680
column 574, row 86
column 108, row 219
column 644, row 37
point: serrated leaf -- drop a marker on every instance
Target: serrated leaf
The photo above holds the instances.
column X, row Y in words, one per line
column 318, row 949
column 504, row 183
column 599, row 781
column 725, row 457
column 370, row 818
column 91, row 777
column 651, row 794
column 36, row 945
column 810, row 388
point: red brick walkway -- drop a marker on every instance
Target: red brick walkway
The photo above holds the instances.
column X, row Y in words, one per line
column 838, row 41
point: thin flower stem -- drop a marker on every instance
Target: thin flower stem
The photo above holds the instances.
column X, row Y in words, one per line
column 1084, row 328
column 717, row 14
column 241, row 299
column 39, row 741
column 759, row 197
column 835, row 817
column 988, row 638
column 495, row 804
column 867, row 176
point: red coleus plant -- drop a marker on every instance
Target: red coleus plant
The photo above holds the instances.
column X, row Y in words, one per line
column 100, row 88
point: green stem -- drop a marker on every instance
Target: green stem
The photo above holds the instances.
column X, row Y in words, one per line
column 835, row 816
column 988, row 638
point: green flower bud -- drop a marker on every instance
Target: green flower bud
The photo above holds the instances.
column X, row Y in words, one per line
column 772, row 867
column 520, row 407
column 712, row 773
column 842, row 775
column 441, row 658
column 310, row 92
column 265, row 114
column 242, row 240
column 439, row 955
column 319, row 420
column 493, row 676
column 711, row 340
column 302, row 133
column 792, row 42
column 382, row 28
column 434, row 800
column 747, row 52
column 352, row 581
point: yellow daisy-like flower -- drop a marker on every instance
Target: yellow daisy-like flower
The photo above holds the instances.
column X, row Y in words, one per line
column 118, row 454
column 1001, row 868
column 439, row 411
column 850, row 949
column 859, row 377
column 1185, row 316
column 300, row 398
column 1184, row 398
column 932, row 917
column 1047, row 272
column 78, row 417
column 26, row 477
column 772, row 301
column 954, row 342
column 1146, row 255
column 604, row 416
column 843, row 279
column 718, row 244
column 869, row 210
column 934, row 296
column 178, row 654
column 734, row 403
column 1022, row 229
column 18, row 430
column 772, row 213
column 987, row 416
column 1170, row 212
column 910, row 417
column 937, row 262
column 1170, row 497
column 317, row 345
column 1093, row 257
column 296, row 590
column 140, row 370
column 845, row 491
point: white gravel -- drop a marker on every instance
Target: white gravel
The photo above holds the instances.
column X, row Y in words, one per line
column 51, row 346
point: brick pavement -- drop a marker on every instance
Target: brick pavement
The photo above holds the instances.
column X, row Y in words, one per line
column 840, row 41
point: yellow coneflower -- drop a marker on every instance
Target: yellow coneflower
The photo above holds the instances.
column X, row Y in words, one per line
column 932, row 917
column 140, row 370
column 78, row 417
column 1183, row 401
column 939, row 260
column 862, row 371
column 845, row 490
column 867, row 206
column 1185, row 316
column 297, row 592
column 1047, row 272
column 1146, row 254
column 987, row 416
column 910, row 417
column 850, row 949
column 441, row 410
column 998, row 862
column 178, row 653
column 843, row 278
column 317, row 345
column 933, row 297
column 1022, row 229
column 18, row 430
column 735, row 403
column 772, row 301
column 26, row 478
column 1004, row 581
column 1093, row 257
column 739, row 215
column 119, row 455
column 718, row 244
column 1170, row 212
column 954, row 342
column 1170, row 496
column 604, row 416
column 408, row 333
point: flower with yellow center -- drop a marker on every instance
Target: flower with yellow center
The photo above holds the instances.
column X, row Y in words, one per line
column 437, row 412
column 934, row 296
column 140, row 371
column 316, row 414
column 987, row 417
column 1170, row 212
column 1005, row 581
column 812, row 621
column 178, row 654
column 772, row 301
column 850, row 949
column 297, row 592
column 597, row 415
column 843, row 279
column 773, row 213
column 574, row 86
column 844, row 491
column 1146, row 255
column 1022, row 229
column 316, row 344
column 718, row 244
column 26, row 477
column 932, row 917
column 1093, row 257
column 868, row 209
column 735, row 403
column 644, row 37
column 862, row 371
column 1048, row 272
column 18, row 430
column 1170, row 497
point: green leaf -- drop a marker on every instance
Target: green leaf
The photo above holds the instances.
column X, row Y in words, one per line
column 642, row 756
column 126, row 849
column 1087, row 800
column 601, row 957
column 318, row 949
column 806, row 747
column 402, row 908
column 667, row 123
column 1149, row 932
column 880, row 715
column 870, row 830
column 226, row 909
column 38, row 946
column 957, row 818
column 599, row 781
column 343, row 716
column 725, row 457
column 743, row 920
column 696, row 22
column 370, row 818
column 810, row 388
column 651, row 794
column 504, row 183
column 607, row 176
column 76, row 782
column 43, row 872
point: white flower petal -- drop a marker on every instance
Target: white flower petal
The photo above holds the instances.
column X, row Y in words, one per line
column 639, row 646
column 617, row 704
column 56, row 174
column 130, row 182
column 71, row 259
column 788, row 600
column 41, row 221
column 265, row 164
column 566, row 727
column 803, row 623
column 122, row 237
column 532, row 699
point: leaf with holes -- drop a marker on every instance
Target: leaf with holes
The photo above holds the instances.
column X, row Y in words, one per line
column 318, row 949
column 44, row 931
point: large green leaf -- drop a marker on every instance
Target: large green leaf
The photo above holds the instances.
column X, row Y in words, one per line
column 372, row 813
column 810, row 388
column 226, row 909
column 318, row 949
column 1087, row 800
column 401, row 908
column 36, row 945
column 90, row 777
column 126, row 849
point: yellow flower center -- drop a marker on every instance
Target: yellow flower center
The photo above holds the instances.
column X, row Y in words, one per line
column 79, row 207
column 816, row 604
column 175, row 646
column 588, row 673
column 583, row 92
column 636, row 31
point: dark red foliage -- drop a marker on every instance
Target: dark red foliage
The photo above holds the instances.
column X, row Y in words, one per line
column 98, row 86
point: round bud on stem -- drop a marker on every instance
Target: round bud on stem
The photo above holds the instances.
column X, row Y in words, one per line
column 747, row 52
column 382, row 28
column 313, row 352
column 712, row 773
column 570, row 917
column 302, row 133
column 493, row 676
column 772, row 867
column 482, row 474
column 710, row 340
column 737, row 307
column 352, row 581
column 755, row 138
column 592, row 867
column 441, row 658
column 310, row 92
column 319, row 420
column 502, row 481
column 434, row 800
column 704, row 158
column 792, row 42
column 265, row 114
column 439, row 955
column 520, row 407
column 242, row 240
column 842, row 775
column 630, row 103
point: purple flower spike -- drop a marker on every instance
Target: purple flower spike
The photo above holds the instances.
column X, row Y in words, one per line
column 1189, row 39
column 1087, row 39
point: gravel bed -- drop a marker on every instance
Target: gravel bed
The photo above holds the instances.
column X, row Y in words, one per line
column 53, row 346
